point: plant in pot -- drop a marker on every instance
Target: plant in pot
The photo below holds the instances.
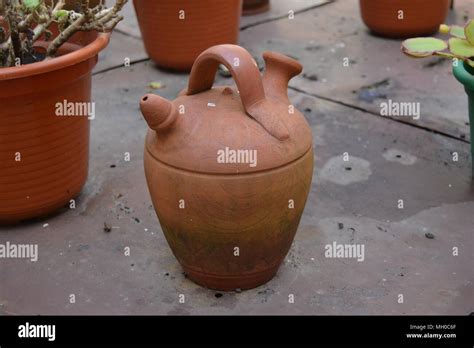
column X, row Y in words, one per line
column 404, row 18
column 81, row 37
column 175, row 32
column 459, row 48
column 44, row 78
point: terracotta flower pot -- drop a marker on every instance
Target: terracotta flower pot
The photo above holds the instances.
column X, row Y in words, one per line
column 465, row 74
column 175, row 32
column 229, row 222
column 44, row 157
column 419, row 17
column 252, row 7
column 73, row 4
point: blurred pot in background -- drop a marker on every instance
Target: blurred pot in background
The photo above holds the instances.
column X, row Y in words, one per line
column 252, row 7
column 404, row 18
column 175, row 32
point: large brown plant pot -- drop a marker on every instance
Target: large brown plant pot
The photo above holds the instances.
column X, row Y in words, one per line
column 420, row 17
column 75, row 4
column 253, row 7
column 229, row 225
column 44, row 157
column 175, row 32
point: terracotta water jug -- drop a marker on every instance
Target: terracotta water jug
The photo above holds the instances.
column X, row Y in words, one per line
column 229, row 170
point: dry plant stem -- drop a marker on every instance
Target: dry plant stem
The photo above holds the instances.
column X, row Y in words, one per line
column 108, row 16
column 64, row 36
column 453, row 56
column 105, row 20
column 41, row 28
column 15, row 40
column 27, row 22
column 26, row 26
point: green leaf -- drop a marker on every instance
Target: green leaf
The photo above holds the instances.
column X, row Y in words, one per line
column 461, row 48
column 457, row 31
column 469, row 31
column 423, row 46
column 31, row 4
column 61, row 13
column 156, row 85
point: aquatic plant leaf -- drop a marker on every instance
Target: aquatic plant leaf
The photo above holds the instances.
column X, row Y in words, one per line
column 457, row 31
column 469, row 32
column 423, row 46
column 461, row 48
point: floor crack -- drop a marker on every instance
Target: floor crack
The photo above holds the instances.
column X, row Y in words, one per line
column 123, row 32
column 359, row 108
column 133, row 62
column 267, row 20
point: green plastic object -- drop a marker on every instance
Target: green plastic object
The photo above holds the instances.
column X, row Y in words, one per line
column 465, row 74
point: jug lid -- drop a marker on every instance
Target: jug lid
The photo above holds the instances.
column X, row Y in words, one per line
column 228, row 130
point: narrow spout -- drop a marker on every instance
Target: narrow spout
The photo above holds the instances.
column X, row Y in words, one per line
column 158, row 112
column 279, row 70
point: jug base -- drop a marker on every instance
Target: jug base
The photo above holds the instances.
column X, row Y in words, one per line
column 231, row 282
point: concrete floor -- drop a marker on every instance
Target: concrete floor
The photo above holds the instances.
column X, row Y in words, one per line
column 389, row 160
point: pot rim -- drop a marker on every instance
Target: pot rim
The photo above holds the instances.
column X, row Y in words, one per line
column 463, row 75
column 69, row 59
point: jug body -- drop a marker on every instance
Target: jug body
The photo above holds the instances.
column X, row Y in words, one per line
column 229, row 169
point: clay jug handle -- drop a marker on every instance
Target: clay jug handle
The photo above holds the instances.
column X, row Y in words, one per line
column 247, row 77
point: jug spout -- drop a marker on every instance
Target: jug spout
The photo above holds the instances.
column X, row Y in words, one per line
column 279, row 70
column 158, row 112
